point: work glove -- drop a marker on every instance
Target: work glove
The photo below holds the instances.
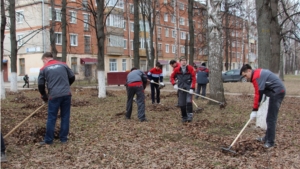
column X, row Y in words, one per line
column 176, row 87
column 253, row 115
column 45, row 98
column 151, row 81
column 161, row 84
column 191, row 91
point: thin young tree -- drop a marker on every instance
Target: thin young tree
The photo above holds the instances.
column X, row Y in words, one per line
column 3, row 24
column 64, row 30
column 52, row 30
column 136, row 38
column 191, row 30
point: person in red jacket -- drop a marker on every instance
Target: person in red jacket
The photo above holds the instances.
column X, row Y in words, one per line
column 186, row 80
column 175, row 65
column 265, row 82
column 155, row 76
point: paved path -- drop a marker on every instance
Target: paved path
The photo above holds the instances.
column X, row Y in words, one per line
column 122, row 87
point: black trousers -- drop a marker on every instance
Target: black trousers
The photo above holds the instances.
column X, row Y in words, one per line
column 140, row 100
column 274, row 105
column 2, row 144
column 155, row 89
column 26, row 82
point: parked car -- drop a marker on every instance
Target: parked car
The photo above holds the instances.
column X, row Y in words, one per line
column 231, row 76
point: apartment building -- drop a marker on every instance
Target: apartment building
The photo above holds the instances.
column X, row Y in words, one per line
column 169, row 36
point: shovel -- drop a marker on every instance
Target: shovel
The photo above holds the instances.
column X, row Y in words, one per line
column 23, row 121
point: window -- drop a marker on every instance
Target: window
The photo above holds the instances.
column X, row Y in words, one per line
column 86, row 21
column 58, row 38
column 124, row 65
column 57, row 15
column 142, row 43
column 165, row 1
column 124, row 25
column 19, row 16
column 157, row 17
column 73, row 40
column 167, row 32
column 159, row 46
column 112, row 65
column 181, row 6
column 87, row 44
column 131, row 26
column 143, row 65
column 125, row 43
column 167, row 48
column 181, row 21
column 115, row 21
column 73, row 16
column 166, row 17
column 115, row 3
column 173, row 48
column 74, row 64
column 159, row 33
column 233, row 44
column 182, row 35
column 84, row 4
column 116, row 41
column 20, row 40
column 22, row 66
column 131, row 8
column 173, row 33
column 182, row 49
column 131, row 44
column 173, row 18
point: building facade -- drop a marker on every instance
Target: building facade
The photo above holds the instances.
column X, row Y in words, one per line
column 170, row 36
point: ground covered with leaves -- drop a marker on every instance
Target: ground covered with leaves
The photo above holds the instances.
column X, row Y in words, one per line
column 100, row 136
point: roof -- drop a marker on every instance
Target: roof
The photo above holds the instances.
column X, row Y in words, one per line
column 88, row 61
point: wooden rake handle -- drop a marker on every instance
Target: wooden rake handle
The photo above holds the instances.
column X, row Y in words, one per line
column 240, row 132
column 23, row 121
column 202, row 96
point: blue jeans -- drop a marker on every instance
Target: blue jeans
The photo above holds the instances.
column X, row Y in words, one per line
column 64, row 103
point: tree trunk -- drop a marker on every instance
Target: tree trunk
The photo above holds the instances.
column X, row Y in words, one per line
column 64, row 30
column 191, row 30
column 100, row 45
column 226, row 35
column 3, row 24
column 52, row 30
column 275, row 39
column 136, row 38
column 144, row 26
column 263, row 16
column 13, row 43
column 215, row 58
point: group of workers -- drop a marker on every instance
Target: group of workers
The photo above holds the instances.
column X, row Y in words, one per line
column 184, row 78
column 59, row 77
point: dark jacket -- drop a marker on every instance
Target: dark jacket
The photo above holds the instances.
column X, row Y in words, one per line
column 265, row 82
column 187, row 80
column 58, row 77
column 202, row 75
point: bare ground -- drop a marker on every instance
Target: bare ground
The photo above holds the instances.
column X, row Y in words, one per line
column 100, row 137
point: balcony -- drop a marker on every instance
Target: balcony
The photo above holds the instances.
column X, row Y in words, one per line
column 114, row 50
column 142, row 52
column 160, row 53
column 114, row 30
